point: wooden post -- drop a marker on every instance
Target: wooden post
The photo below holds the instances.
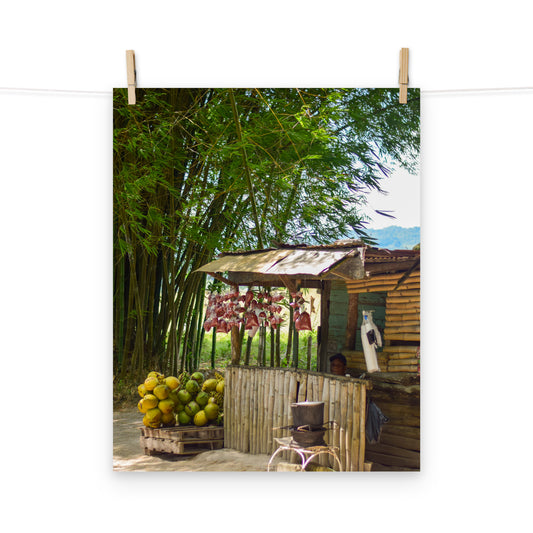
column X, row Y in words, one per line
column 295, row 348
column 324, row 326
column 235, row 345
column 351, row 326
column 278, row 346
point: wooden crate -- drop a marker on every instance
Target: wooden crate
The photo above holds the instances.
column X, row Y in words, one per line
column 182, row 440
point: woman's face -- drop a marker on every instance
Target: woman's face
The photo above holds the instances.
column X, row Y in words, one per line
column 338, row 367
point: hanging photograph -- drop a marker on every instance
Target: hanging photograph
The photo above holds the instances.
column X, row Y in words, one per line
column 266, row 280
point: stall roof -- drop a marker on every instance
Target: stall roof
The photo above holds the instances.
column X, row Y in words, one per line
column 345, row 259
column 311, row 263
column 284, row 262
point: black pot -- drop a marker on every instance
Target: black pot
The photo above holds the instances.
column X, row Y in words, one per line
column 308, row 414
column 308, row 438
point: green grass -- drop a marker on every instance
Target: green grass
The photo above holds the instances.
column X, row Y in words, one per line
column 223, row 350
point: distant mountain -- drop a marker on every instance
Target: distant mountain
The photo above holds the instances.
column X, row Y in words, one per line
column 396, row 238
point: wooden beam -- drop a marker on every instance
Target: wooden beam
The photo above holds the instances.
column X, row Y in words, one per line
column 223, row 279
column 324, row 327
column 351, row 325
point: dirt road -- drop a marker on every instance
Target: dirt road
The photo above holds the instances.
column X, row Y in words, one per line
column 129, row 456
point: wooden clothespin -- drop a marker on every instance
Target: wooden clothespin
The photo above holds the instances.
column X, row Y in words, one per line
column 132, row 75
column 404, row 74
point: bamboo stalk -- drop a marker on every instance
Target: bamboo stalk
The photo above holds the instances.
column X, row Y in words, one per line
column 278, row 390
column 362, row 432
column 256, row 391
column 403, row 300
column 340, row 408
column 356, row 431
column 402, row 311
column 403, row 337
column 402, row 329
column 302, row 392
column 278, row 346
column 261, row 448
column 334, row 434
column 401, row 323
column 384, row 279
column 377, row 282
column 270, row 418
column 252, row 411
column 393, row 349
column 380, row 286
column 396, row 277
column 240, row 417
column 405, row 368
column 323, row 460
column 402, row 357
column 284, row 413
column 349, row 426
column 291, row 399
column 227, row 409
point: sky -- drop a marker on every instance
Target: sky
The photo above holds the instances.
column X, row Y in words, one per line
column 402, row 199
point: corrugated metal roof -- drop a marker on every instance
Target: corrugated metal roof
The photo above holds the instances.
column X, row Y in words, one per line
column 258, row 262
column 309, row 262
column 284, row 262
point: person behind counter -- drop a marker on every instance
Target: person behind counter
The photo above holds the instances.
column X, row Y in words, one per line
column 337, row 364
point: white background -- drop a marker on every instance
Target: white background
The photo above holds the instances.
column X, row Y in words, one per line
column 56, row 191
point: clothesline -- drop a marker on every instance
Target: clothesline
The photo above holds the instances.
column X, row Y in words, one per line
column 423, row 91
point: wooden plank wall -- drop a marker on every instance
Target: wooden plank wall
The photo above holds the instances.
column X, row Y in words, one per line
column 402, row 322
column 398, row 448
column 257, row 399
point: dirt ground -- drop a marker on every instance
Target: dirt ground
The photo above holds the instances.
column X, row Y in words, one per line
column 129, row 456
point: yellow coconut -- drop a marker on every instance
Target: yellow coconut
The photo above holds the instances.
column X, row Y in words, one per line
column 166, row 406
column 154, row 415
column 172, row 382
column 150, row 401
column 209, row 385
column 168, row 419
column 142, row 408
column 147, row 423
column 161, row 391
column 151, row 383
column 200, row 418
column 141, row 389
column 220, row 386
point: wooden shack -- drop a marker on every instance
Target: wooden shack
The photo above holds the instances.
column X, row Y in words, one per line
column 353, row 277
column 390, row 288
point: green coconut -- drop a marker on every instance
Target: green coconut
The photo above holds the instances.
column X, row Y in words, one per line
column 211, row 411
column 202, row 398
column 184, row 418
column 184, row 396
column 192, row 386
column 192, row 408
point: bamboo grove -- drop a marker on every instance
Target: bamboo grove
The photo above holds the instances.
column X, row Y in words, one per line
column 199, row 171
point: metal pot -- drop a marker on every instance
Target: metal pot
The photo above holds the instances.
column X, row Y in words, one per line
column 308, row 438
column 308, row 414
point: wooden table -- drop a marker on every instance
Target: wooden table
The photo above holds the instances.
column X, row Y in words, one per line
column 306, row 454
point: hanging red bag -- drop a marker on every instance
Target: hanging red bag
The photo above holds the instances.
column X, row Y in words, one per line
column 305, row 321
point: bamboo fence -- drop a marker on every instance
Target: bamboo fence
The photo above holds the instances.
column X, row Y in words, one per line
column 257, row 400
